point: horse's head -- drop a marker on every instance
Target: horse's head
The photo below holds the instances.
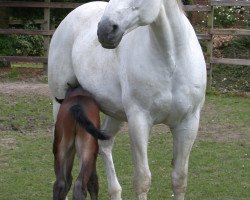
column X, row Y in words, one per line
column 122, row 16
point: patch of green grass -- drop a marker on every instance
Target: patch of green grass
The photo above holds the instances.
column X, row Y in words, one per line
column 26, row 112
column 26, row 166
column 218, row 169
column 228, row 113
column 13, row 74
column 27, row 65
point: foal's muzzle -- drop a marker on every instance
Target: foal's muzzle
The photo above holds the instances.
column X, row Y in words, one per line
column 109, row 33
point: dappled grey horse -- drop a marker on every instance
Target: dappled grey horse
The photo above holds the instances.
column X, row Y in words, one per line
column 142, row 62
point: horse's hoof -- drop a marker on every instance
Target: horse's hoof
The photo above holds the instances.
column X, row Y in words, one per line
column 142, row 196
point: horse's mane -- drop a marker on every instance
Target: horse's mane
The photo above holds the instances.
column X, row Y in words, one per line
column 180, row 4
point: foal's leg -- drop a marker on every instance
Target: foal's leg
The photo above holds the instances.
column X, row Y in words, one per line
column 184, row 136
column 59, row 188
column 69, row 165
column 111, row 126
column 139, row 129
column 93, row 186
column 64, row 158
column 56, row 107
column 87, row 149
column 86, row 180
column 80, row 186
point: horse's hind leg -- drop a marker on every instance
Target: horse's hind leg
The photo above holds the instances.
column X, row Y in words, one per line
column 184, row 136
column 111, row 126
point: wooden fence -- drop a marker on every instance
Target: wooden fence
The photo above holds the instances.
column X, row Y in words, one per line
column 46, row 32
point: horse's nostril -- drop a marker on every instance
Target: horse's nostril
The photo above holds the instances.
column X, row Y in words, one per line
column 115, row 27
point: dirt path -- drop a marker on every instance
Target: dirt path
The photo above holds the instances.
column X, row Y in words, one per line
column 217, row 131
column 11, row 88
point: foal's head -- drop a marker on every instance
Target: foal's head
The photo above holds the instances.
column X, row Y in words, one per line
column 120, row 17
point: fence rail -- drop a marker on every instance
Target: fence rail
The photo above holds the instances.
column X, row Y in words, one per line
column 23, row 4
column 26, row 32
column 230, row 3
column 32, row 59
column 47, row 32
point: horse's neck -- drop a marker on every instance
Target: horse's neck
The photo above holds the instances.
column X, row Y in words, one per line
column 168, row 29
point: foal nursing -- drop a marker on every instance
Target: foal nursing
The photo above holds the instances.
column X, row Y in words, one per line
column 77, row 130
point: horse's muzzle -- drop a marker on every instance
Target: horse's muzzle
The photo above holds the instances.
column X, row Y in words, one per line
column 109, row 34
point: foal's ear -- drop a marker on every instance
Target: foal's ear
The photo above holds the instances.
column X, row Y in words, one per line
column 59, row 100
column 69, row 85
column 72, row 86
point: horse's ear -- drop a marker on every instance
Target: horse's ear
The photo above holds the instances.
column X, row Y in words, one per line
column 59, row 100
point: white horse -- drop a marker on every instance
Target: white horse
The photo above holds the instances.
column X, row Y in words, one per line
column 150, row 71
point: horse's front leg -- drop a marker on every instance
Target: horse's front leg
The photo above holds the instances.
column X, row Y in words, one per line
column 111, row 126
column 139, row 129
column 184, row 135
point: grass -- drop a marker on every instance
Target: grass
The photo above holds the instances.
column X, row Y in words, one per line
column 26, row 112
column 27, row 65
column 219, row 168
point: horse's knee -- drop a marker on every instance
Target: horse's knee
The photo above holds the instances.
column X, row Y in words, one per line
column 59, row 190
column 179, row 184
column 115, row 192
column 142, row 182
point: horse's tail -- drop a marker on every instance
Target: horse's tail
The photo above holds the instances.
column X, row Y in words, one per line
column 79, row 115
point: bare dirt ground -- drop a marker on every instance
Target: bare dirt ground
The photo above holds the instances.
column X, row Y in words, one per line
column 30, row 83
column 26, row 81
column 12, row 88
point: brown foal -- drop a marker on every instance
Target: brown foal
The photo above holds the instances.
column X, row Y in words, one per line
column 77, row 130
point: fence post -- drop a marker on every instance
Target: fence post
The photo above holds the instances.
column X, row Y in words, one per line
column 210, row 26
column 46, row 27
column 4, row 23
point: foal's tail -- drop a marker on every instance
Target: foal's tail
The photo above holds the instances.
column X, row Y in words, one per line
column 82, row 119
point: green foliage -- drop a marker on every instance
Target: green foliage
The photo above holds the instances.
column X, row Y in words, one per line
column 228, row 78
column 187, row 2
column 239, row 47
column 24, row 45
column 21, row 45
column 228, row 16
column 29, row 45
column 28, row 15
column 6, row 46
